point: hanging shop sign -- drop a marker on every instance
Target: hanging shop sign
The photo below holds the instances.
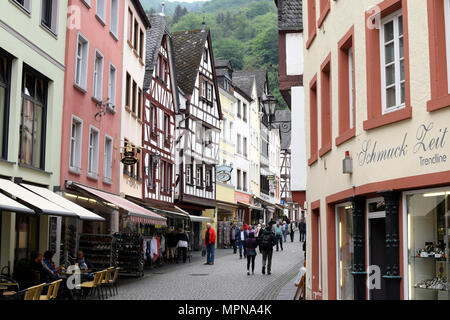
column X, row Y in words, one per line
column 129, row 157
column 428, row 144
column 224, row 173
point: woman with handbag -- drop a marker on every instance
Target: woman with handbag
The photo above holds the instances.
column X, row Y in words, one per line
column 182, row 245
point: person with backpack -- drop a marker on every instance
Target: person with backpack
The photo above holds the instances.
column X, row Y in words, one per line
column 278, row 236
column 250, row 245
column 266, row 241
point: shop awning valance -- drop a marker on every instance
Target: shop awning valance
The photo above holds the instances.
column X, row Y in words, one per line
column 8, row 204
column 199, row 219
column 81, row 212
column 256, row 208
column 134, row 210
column 38, row 203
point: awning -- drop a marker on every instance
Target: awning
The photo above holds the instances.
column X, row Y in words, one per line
column 164, row 209
column 40, row 204
column 8, row 204
column 199, row 219
column 241, row 204
column 256, row 208
column 138, row 212
column 81, row 212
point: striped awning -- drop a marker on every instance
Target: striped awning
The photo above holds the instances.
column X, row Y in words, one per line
column 135, row 212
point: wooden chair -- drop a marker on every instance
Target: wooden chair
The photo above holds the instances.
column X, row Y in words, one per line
column 34, row 293
column 94, row 285
column 52, row 291
column 107, row 278
column 113, row 283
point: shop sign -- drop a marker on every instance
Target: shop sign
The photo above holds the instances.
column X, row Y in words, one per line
column 129, row 158
column 428, row 144
column 224, row 173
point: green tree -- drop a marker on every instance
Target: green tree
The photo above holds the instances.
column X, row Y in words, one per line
column 230, row 49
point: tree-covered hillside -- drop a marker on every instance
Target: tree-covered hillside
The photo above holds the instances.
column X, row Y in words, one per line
column 243, row 31
column 170, row 6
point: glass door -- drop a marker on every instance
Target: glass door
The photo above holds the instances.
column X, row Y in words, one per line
column 345, row 251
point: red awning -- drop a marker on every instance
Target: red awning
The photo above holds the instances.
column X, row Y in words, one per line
column 136, row 213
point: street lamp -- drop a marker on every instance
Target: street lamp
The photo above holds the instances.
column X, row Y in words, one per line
column 270, row 105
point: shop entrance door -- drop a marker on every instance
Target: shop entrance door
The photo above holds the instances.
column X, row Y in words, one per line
column 377, row 245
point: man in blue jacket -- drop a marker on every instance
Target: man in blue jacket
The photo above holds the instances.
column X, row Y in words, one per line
column 242, row 237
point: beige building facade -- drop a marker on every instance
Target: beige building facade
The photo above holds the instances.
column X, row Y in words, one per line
column 378, row 148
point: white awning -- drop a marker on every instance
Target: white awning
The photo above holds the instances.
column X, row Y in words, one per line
column 81, row 212
column 199, row 219
column 39, row 203
column 8, row 204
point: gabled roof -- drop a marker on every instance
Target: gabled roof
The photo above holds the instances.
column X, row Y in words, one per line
column 290, row 15
column 243, row 79
column 188, row 51
column 223, row 64
column 153, row 44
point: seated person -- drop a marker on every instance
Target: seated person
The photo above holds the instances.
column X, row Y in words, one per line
column 49, row 272
column 82, row 262
column 35, row 269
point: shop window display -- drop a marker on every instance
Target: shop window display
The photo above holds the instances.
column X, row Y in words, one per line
column 428, row 233
column 344, row 243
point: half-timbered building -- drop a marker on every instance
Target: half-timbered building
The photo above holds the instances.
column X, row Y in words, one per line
column 198, row 126
column 160, row 106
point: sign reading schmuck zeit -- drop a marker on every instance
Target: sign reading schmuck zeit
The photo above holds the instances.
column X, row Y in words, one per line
column 428, row 145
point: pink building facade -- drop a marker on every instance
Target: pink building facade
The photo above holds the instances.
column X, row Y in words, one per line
column 91, row 118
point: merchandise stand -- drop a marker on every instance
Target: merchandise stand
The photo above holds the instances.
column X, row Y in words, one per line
column 128, row 254
column 97, row 248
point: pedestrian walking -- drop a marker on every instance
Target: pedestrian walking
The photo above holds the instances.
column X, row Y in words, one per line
column 251, row 244
column 302, row 231
column 242, row 237
column 258, row 229
column 292, row 231
column 234, row 237
column 278, row 236
column 182, row 245
column 285, row 230
column 266, row 241
column 210, row 243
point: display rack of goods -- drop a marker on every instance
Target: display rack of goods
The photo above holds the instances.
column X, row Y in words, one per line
column 97, row 249
column 128, row 253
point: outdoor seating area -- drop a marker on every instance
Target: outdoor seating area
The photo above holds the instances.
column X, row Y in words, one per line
column 102, row 286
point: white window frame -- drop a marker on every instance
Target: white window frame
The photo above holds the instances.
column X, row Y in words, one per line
column 112, row 86
column 100, row 10
column 93, row 152
column 397, row 60
column 447, row 37
column 351, row 87
column 26, row 5
column 107, row 159
column 97, row 84
column 54, row 18
column 78, row 141
column 83, row 67
column 114, row 18
column 199, row 175
column 188, row 173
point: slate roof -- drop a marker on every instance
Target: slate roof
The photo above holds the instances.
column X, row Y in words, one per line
column 153, row 45
column 223, row 64
column 285, row 129
column 290, row 15
column 188, row 51
column 243, row 79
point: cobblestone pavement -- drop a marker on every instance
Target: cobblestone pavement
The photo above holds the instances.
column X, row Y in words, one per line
column 227, row 279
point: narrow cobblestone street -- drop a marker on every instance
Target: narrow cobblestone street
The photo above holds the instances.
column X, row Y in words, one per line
column 227, row 279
